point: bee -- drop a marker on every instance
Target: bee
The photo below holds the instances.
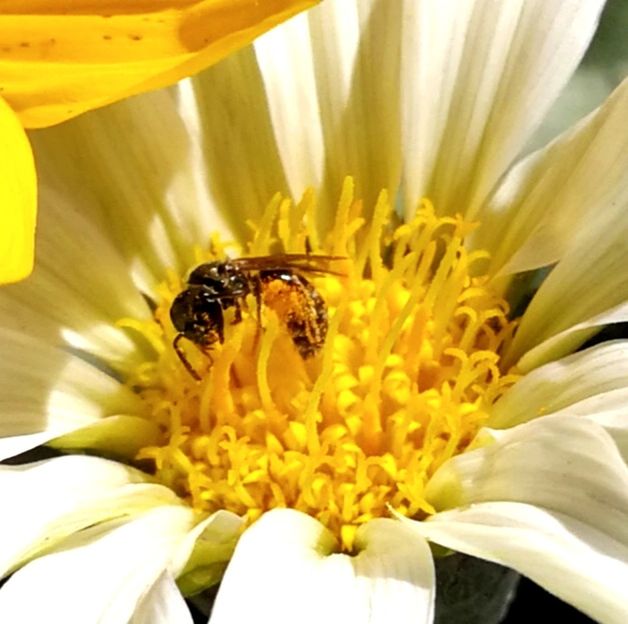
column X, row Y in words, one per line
column 276, row 282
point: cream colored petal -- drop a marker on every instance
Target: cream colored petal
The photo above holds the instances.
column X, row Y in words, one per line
column 101, row 574
column 562, row 384
column 548, row 498
column 14, row 445
column 241, row 161
column 132, row 166
column 163, row 604
column 555, row 192
column 568, row 464
column 286, row 567
column 331, row 81
column 335, row 39
column 47, row 390
column 432, row 45
column 203, row 556
column 45, row 502
column 568, row 339
column 479, row 77
column 587, row 289
column 592, row 385
column 610, row 411
column 356, row 58
column 571, row 559
column 79, row 289
column 286, row 66
column 111, row 436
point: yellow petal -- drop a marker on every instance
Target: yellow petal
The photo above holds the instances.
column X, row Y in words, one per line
column 59, row 59
column 18, row 198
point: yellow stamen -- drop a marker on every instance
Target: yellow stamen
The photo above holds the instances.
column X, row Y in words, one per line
column 408, row 372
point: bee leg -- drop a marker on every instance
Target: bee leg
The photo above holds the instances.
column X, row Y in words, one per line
column 257, row 293
column 184, row 360
column 237, row 316
column 206, row 352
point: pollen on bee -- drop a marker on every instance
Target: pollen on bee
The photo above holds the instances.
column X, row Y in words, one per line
column 282, row 297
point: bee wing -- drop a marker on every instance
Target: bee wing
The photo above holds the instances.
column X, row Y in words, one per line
column 307, row 263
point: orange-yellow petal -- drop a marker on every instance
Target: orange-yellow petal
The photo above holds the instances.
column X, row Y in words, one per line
column 59, row 59
column 18, row 198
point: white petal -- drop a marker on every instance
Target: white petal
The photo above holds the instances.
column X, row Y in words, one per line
column 356, row 57
column 531, row 220
column 241, row 159
column 337, row 113
column 586, row 290
column 201, row 558
column 45, row 502
column 431, row 52
column 163, row 604
column 286, row 65
column 572, row 338
column 548, row 498
column 10, row 447
column 569, row 558
column 46, row 390
column 286, row 567
column 79, row 289
column 610, row 411
column 118, row 436
column 335, row 39
column 567, row 464
column 562, row 384
column 101, row 575
column 494, row 70
column 137, row 175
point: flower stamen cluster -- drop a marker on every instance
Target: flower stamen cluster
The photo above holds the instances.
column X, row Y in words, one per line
column 409, row 370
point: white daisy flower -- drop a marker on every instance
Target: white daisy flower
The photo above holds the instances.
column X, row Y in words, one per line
column 378, row 384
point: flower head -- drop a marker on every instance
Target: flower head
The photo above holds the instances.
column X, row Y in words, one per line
column 302, row 327
column 340, row 418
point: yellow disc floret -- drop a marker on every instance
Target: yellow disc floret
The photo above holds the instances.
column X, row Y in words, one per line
column 405, row 378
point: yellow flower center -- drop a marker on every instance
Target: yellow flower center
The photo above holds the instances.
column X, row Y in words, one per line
column 404, row 380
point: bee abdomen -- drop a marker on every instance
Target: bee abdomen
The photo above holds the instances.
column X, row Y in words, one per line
column 299, row 306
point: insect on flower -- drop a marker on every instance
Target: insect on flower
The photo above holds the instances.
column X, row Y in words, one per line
column 276, row 281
